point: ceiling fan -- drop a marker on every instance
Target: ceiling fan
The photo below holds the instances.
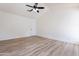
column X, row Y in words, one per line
column 35, row 8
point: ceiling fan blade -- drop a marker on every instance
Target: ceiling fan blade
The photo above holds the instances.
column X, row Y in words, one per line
column 30, row 10
column 37, row 11
column 40, row 7
column 29, row 6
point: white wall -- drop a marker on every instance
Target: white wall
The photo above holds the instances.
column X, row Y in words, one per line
column 56, row 24
column 13, row 26
column 62, row 25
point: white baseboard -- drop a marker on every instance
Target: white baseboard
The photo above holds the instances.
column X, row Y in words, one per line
column 60, row 39
column 9, row 37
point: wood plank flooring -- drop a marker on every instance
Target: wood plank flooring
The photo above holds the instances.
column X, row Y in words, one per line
column 37, row 46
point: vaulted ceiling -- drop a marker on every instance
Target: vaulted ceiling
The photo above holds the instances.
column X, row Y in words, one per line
column 21, row 9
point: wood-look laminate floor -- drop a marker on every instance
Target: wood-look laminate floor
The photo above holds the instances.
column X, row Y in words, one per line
column 37, row 46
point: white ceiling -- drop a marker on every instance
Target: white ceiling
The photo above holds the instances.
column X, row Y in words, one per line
column 21, row 9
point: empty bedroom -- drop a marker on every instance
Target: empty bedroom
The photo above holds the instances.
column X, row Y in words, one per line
column 39, row 29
